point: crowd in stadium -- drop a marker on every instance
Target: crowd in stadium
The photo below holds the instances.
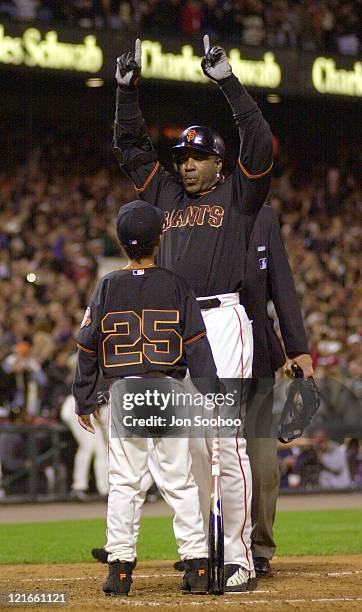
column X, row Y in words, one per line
column 312, row 25
column 56, row 220
column 321, row 463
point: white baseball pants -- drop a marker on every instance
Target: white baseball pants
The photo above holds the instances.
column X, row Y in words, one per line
column 128, row 463
column 230, row 334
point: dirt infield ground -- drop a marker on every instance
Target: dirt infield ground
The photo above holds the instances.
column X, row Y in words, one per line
column 316, row 583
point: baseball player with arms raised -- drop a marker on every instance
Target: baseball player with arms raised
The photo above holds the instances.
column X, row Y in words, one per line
column 144, row 321
column 209, row 219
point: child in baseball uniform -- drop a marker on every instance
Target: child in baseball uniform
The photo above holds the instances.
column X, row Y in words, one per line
column 144, row 322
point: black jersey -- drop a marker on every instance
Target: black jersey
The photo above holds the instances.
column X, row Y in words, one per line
column 140, row 322
column 205, row 235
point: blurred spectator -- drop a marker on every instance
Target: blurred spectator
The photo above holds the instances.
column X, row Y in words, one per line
column 347, row 24
column 89, row 447
column 191, row 17
column 27, row 376
column 320, row 463
column 253, row 24
column 288, row 458
column 25, row 9
column 334, row 473
column 334, row 192
column 122, row 15
column 326, row 23
column 354, row 459
column 58, row 383
column 308, row 468
column 7, row 385
column 84, row 12
column 13, row 453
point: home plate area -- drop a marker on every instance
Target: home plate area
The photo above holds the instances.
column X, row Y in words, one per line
column 317, row 583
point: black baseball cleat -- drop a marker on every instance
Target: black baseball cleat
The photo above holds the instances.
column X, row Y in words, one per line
column 101, row 554
column 179, row 566
column 196, row 577
column 119, row 579
column 262, row 567
column 238, row 579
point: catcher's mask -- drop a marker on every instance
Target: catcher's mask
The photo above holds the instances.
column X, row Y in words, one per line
column 199, row 138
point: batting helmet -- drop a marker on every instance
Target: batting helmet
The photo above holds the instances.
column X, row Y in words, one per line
column 202, row 139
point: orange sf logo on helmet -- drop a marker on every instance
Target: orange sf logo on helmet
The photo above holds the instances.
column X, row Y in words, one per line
column 190, row 135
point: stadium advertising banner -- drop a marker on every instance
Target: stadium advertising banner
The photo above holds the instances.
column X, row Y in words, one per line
column 263, row 72
column 35, row 49
column 93, row 55
column 328, row 78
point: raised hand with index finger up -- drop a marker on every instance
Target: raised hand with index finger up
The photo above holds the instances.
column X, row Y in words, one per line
column 215, row 63
column 129, row 66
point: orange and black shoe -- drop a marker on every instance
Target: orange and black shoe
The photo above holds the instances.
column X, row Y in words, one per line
column 195, row 579
column 119, row 578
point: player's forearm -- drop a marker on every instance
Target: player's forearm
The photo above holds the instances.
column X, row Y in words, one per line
column 131, row 145
column 129, row 124
column 127, row 107
column 256, row 141
column 85, row 383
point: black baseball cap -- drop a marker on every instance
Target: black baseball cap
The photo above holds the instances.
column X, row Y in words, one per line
column 139, row 222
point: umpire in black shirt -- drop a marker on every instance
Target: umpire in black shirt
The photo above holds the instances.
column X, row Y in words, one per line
column 268, row 277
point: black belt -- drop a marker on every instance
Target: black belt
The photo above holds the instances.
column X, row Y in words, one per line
column 141, row 375
column 209, row 303
column 154, row 375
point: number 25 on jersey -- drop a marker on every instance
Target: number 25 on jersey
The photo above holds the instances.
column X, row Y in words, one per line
column 152, row 337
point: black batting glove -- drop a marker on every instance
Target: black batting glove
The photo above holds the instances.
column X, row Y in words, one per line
column 215, row 63
column 129, row 66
